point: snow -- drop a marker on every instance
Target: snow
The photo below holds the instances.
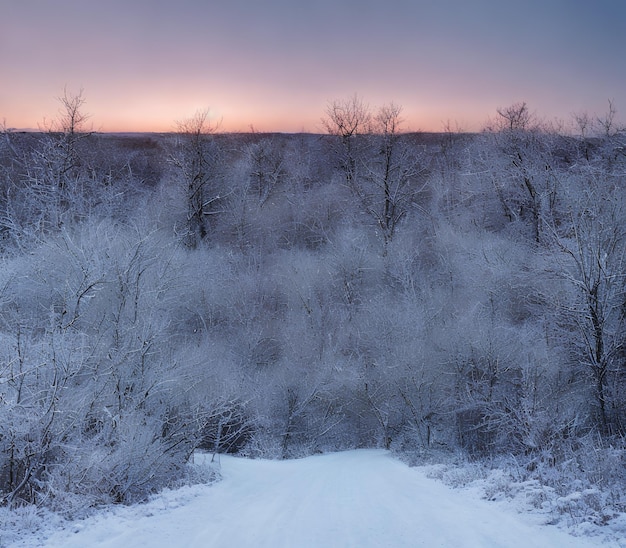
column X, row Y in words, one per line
column 360, row 498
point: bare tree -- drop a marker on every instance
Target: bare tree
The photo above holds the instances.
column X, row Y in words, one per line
column 527, row 181
column 607, row 123
column 596, row 247
column 195, row 157
column 515, row 117
column 379, row 166
column 67, row 131
column 52, row 184
column 267, row 169
column 393, row 172
column 347, row 119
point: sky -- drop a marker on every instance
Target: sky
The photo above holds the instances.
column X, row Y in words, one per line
column 274, row 65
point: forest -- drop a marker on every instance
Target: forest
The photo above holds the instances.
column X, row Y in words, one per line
column 281, row 295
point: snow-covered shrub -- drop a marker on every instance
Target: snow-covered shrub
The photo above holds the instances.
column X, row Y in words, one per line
column 89, row 385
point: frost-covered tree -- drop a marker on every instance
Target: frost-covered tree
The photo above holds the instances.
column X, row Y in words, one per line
column 595, row 246
column 196, row 156
column 97, row 403
column 524, row 169
column 348, row 119
column 394, row 175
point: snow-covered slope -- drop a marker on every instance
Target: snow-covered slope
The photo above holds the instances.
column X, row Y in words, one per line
column 361, row 498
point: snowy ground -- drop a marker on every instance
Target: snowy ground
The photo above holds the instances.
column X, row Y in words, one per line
column 363, row 498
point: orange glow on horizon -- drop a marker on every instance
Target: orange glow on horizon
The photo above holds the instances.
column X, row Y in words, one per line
column 163, row 119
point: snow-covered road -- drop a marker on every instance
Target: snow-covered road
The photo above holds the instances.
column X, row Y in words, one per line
column 363, row 498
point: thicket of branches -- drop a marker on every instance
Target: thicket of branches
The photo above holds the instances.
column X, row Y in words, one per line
column 285, row 294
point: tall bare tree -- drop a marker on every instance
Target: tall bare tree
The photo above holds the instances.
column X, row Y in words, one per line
column 596, row 247
column 347, row 119
column 380, row 167
column 195, row 157
column 393, row 171
column 67, row 130
column 527, row 181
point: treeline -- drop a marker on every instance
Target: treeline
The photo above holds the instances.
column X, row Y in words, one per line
column 279, row 295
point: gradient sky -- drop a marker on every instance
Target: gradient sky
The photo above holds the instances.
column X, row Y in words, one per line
column 275, row 64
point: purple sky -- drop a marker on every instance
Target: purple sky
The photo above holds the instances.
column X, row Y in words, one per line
column 275, row 64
